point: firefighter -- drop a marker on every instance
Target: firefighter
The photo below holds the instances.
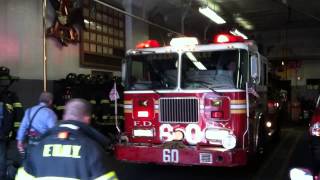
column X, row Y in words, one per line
column 71, row 150
column 7, row 115
column 6, row 125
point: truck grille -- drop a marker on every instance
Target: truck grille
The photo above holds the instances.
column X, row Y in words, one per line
column 179, row 110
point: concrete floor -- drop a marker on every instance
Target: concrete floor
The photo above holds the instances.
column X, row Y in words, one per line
column 292, row 150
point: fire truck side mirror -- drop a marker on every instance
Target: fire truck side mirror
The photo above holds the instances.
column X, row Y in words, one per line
column 254, row 63
column 123, row 70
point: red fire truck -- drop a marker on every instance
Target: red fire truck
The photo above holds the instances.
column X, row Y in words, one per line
column 191, row 104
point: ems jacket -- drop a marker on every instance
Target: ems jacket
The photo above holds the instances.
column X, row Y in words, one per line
column 70, row 151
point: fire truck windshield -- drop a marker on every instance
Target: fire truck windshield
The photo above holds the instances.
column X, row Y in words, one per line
column 212, row 69
column 152, row 71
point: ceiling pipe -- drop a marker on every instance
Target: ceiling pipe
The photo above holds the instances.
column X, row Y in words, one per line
column 184, row 15
column 285, row 3
column 206, row 31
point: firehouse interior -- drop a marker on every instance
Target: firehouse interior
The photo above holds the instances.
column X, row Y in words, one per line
column 184, row 89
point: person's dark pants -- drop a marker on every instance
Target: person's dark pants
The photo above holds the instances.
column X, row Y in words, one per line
column 3, row 159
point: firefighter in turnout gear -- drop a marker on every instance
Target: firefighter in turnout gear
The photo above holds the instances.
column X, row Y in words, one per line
column 10, row 115
column 71, row 150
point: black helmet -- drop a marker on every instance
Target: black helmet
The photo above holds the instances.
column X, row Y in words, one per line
column 71, row 77
column 4, row 71
column 81, row 78
column 100, row 79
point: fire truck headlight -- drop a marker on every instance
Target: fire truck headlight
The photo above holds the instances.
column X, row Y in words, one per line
column 216, row 134
column 143, row 133
column 229, row 142
column 268, row 124
column 315, row 129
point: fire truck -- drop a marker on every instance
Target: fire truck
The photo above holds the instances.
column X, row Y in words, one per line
column 192, row 104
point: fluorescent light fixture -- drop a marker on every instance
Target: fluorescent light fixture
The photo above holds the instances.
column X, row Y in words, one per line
column 194, row 60
column 211, row 15
column 143, row 132
column 184, row 41
column 244, row 23
column 236, row 32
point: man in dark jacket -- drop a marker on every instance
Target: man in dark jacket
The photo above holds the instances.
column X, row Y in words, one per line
column 71, row 150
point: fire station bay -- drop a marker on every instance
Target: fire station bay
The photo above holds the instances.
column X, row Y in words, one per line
column 159, row 89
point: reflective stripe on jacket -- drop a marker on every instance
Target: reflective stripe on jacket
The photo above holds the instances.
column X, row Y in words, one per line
column 23, row 175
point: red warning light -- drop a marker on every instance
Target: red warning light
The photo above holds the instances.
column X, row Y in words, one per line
column 227, row 38
column 148, row 44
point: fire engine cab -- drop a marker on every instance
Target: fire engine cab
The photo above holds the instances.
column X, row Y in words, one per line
column 191, row 104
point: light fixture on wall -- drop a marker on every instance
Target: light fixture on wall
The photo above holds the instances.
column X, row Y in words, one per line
column 282, row 63
column 299, row 78
column 206, row 11
column 236, row 32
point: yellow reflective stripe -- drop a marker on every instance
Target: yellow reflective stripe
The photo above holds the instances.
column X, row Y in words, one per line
column 16, row 124
column 109, row 176
column 55, row 178
column 238, row 111
column 60, row 107
column 93, row 101
column 9, row 107
column 17, row 105
column 128, row 102
column 238, row 101
column 23, row 175
column 104, row 101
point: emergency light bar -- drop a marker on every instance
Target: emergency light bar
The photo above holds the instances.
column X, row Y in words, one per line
column 227, row 38
column 148, row 44
column 184, row 41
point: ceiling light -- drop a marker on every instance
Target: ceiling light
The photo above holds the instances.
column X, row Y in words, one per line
column 211, row 15
column 238, row 33
column 244, row 23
